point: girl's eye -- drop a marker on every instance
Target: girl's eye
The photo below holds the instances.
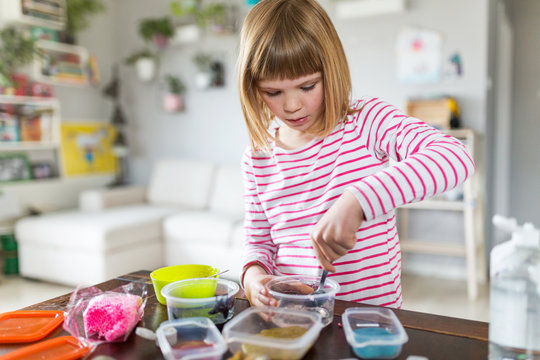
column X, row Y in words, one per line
column 272, row 93
column 308, row 88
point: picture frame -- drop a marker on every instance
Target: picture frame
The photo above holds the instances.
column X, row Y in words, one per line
column 14, row 167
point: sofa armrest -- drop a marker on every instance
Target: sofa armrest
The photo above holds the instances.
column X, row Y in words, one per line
column 99, row 199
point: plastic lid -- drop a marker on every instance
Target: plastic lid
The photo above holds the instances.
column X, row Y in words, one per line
column 59, row 348
column 27, row 326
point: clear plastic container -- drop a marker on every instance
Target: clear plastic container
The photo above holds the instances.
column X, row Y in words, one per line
column 192, row 338
column 277, row 333
column 297, row 292
column 374, row 332
column 205, row 297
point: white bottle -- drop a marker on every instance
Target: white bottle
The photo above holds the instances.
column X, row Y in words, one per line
column 514, row 329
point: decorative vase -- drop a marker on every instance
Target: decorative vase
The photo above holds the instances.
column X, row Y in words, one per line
column 146, row 69
column 203, row 80
column 173, row 102
column 160, row 41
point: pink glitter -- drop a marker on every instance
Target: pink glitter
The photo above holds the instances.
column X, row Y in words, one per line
column 111, row 316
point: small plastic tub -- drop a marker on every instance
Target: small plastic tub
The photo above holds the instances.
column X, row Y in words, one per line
column 276, row 333
column 297, row 292
column 211, row 298
column 169, row 274
column 193, row 338
column 374, row 332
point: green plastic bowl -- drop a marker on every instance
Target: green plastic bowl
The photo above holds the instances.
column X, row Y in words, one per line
column 169, row 274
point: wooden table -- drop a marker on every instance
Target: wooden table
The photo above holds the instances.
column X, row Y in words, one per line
column 435, row 337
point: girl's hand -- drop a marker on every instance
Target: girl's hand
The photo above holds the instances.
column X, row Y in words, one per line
column 335, row 233
column 254, row 280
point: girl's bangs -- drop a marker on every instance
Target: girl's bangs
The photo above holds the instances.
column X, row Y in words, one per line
column 289, row 59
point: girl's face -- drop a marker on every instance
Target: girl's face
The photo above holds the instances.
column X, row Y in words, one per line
column 297, row 102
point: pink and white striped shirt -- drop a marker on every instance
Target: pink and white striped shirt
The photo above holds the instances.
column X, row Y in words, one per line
column 287, row 192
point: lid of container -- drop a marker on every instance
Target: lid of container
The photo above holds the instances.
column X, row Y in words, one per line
column 376, row 332
column 27, row 326
column 234, row 330
column 64, row 347
column 203, row 344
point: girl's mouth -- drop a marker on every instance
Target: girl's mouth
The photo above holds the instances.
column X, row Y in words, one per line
column 298, row 120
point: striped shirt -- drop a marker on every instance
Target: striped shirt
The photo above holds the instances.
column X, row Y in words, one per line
column 288, row 191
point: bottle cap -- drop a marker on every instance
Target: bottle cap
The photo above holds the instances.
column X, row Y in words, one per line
column 527, row 236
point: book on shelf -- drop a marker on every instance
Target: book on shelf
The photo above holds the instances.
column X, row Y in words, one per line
column 30, row 128
column 9, row 128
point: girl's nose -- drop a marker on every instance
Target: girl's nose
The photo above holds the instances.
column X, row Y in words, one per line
column 291, row 104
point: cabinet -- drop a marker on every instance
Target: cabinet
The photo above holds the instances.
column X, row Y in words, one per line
column 469, row 205
column 46, row 13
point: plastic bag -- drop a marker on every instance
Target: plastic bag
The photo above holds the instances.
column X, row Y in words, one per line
column 105, row 316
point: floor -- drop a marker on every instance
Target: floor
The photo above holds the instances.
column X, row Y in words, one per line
column 424, row 294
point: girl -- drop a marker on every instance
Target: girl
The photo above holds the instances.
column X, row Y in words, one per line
column 320, row 191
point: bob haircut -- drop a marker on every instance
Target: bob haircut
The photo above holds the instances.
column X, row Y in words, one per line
column 287, row 39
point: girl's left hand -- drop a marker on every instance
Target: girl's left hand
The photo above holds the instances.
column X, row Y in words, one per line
column 335, row 233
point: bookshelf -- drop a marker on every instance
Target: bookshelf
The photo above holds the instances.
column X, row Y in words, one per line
column 60, row 63
column 40, row 181
column 29, row 134
column 46, row 13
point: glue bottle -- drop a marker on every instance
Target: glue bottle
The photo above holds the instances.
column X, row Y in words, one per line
column 514, row 328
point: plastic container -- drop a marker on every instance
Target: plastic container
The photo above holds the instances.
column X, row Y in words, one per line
column 296, row 292
column 374, row 332
column 63, row 347
column 28, row 325
column 273, row 332
column 211, row 298
column 193, row 338
column 514, row 326
column 169, row 274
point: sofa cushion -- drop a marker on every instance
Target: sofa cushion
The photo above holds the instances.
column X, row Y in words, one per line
column 95, row 231
column 200, row 226
column 180, row 182
column 227, row 191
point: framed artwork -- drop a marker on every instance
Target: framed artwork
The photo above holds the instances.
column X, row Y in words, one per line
column 14, row 167
column 87, row 148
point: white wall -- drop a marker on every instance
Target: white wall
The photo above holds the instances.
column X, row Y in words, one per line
column 525, row 125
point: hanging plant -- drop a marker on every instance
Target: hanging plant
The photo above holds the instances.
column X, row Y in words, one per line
column 213, row 16
column 78, row 13
column 174, row 84
column 157, row 30
column 145, row 63
column 15, row 50
column 173, row 101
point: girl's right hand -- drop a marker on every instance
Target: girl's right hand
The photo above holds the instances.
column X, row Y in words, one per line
column 255, row 279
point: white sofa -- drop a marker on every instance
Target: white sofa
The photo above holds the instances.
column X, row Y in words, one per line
column 190, row 212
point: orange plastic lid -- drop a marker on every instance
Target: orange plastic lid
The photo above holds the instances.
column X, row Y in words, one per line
column 59, row 348
column 26, row 326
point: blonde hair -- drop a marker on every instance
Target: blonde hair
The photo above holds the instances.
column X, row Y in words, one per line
column 287, row 39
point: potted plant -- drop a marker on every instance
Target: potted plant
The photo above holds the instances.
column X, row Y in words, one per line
column 159, row 31
column 145, row 63
column 212, row 16
column 173, row 100
column 77, row 16
column 203, row 78
column 15, row 50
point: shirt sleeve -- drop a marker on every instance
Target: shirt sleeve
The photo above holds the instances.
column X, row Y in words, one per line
column 258, row 245
column 425, row 162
